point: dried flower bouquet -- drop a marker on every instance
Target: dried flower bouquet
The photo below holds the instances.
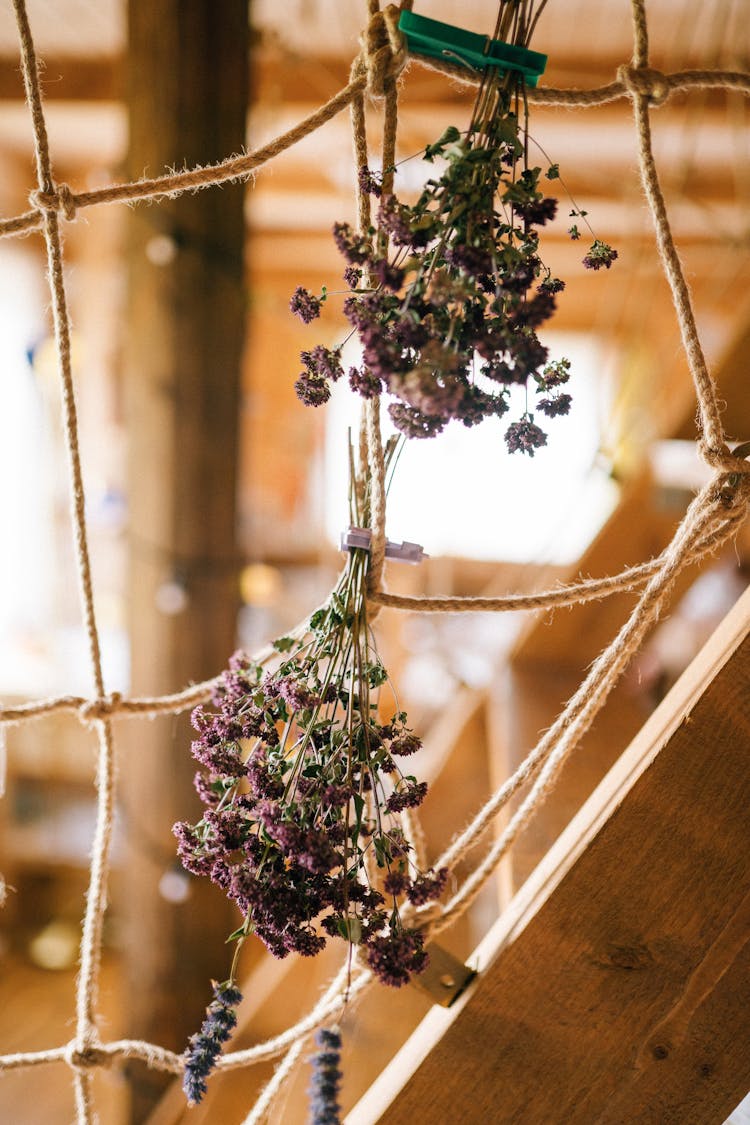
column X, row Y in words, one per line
column 304, row 773
column 447, row 294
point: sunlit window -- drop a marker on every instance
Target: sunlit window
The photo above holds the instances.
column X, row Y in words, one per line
column 462, row 494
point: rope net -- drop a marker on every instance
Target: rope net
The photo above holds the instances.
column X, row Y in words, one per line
column 713, row 518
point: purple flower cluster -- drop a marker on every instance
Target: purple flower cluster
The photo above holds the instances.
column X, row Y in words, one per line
column 396, row 956
column 205, row 1047
column 305, row 304
column 449, row 293
column 322, row 367
column 302, row 790
column 599, row 256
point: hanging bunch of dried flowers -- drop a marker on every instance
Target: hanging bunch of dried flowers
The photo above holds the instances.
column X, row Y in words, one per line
column 303, row 783
column 303, row 779
column 448, row 293
column 303, row 769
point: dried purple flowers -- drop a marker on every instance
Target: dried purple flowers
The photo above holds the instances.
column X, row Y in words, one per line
column 448, row 293
column 303, row 785
column 205, row 1047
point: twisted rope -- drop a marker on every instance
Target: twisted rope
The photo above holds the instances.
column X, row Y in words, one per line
column 96, row 899
column 712, row 518
column 658, row 87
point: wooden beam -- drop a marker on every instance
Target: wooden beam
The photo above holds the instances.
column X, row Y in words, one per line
column 731, row 374
column 295, row 205
column 67, row 78
column 571, row 638
column 188, row 90
column 615, row 988
column 281, row 75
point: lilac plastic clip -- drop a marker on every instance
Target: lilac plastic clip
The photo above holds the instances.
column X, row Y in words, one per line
column 356, row 537
column 405, row 552
column 360, row 538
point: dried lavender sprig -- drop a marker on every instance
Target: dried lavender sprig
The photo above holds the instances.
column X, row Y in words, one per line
column 205, row 1047
column 326, row 1078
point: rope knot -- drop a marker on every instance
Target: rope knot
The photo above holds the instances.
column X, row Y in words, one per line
column 85, row 1057
column 728, row 461
column 642, row 80
column 95, row 709
column 384, row 54
column 733, row 484
column 732, row 491
column 60, row 200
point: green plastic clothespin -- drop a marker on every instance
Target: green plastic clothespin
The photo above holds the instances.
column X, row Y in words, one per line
column 443, row 41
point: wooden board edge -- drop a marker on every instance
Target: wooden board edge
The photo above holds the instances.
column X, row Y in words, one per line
column 563, row 855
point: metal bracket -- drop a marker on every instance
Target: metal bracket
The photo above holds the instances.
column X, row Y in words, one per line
column 445, row 977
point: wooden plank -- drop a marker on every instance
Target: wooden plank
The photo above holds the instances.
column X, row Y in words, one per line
column 615, row 989
column 66, row 78
column 573, row 637
column 731, row 380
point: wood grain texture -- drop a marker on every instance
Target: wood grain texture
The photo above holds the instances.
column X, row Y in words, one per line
column 617, row 990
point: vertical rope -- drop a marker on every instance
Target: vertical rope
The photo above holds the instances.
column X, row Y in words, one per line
column 390, row 126
column 640, row 34
column 83, row 1100
column 91, row 938
column 371, row 408
column 359, row 141
column 337, row 987
column 714, row 448
column 376, row 464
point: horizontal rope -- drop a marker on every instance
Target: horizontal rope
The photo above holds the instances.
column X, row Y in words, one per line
column 116, row 705
column 159, row 1058
column 174, row 184
column 194, row 179
column 660, row 85
column 576, row 593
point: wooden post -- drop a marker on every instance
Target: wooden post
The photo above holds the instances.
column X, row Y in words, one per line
column 187, row 89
